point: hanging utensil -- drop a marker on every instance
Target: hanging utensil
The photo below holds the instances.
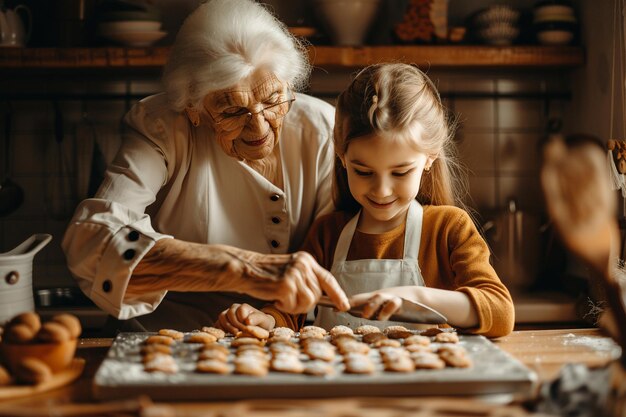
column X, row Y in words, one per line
column 61, row 198
column 11, row 194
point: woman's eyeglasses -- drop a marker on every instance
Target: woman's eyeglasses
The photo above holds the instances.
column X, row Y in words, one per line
column 235, row 121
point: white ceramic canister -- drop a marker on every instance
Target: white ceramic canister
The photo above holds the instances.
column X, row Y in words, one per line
column 16, row 277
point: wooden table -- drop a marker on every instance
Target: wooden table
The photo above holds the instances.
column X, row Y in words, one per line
column 544, row 351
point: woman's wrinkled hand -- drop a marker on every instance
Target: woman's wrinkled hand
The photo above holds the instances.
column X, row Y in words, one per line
column 247, row 319
column 294, row 282
column 376, row 305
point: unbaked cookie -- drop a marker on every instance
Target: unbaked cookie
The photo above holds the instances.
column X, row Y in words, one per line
column 282, row 332
column 356, row 363
column 373, row 337
column 159, row 339
column 174, row 334
column 427, row 360
column 213, row 354
column 282, row 362
column 398, row 332
column 213, row 366
column 320, row 350
column 218, row 333
column 417, row 340
column 247, row 341
column 401, row 364
column 201, row 337
column 156, row 347
column 367, row 329
column 433, row 331
column 341, row 330
column 249, row 365
column 319, row 368
column 447, row 337
column 386, row 342
column 161, row 363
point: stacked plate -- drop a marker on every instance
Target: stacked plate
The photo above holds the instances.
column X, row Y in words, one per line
column 497, row 24
column 554, row 21
column 129, row 22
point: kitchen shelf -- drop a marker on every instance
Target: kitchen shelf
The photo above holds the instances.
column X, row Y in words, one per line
column 321, row 56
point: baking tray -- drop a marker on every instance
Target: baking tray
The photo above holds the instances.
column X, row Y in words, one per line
column 121, row 375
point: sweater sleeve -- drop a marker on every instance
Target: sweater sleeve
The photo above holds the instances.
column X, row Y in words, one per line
column 474, row 276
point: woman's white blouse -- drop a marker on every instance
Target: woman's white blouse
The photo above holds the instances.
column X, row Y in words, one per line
column 171, row 179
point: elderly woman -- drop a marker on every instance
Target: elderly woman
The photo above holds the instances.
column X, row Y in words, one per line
column 218, row 180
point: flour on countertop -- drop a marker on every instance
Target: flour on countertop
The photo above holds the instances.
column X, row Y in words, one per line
column 597, row 343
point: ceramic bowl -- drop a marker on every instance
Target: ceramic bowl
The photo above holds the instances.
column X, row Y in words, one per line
column 497, row 14
column 129, row 26
column 555, row 37
column 135, row 39
column 500, row 34
column 347, row 21
column 57, row 356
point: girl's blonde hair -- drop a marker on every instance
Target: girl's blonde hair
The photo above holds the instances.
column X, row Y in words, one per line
column 223, row 42
column 399, row 102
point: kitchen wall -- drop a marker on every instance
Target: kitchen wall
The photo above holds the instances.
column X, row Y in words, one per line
column 502, row 118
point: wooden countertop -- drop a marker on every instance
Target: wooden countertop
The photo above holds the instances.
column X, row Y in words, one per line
column 544, row 351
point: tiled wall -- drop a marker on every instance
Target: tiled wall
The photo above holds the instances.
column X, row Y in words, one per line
column 502, row 118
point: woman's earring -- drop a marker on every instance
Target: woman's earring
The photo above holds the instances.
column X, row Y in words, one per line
column 194, row 115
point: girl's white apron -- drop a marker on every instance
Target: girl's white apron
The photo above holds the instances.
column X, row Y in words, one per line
column 365, row 275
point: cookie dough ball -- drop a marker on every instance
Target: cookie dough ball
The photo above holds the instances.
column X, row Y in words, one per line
column 53, row 332
column 32, row 371
column 71, row 323
column 19, row 333
column 30, row 319
column 5, row 376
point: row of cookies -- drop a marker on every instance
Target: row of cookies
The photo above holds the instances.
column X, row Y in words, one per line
column 157, row 352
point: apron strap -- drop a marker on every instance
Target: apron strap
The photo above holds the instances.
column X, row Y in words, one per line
column 345, row 239
column 412, row 234
column 413, row 230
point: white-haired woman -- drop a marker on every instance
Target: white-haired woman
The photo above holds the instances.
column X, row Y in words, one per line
column 203, row 204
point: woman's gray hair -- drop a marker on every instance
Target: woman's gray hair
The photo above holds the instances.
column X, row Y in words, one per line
column 225, row 41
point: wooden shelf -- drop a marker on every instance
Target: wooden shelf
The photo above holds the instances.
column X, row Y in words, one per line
column 451, row 56
column 321, row 56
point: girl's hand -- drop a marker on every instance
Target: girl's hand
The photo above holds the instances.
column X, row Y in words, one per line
column 245, row 318
column 378, row 305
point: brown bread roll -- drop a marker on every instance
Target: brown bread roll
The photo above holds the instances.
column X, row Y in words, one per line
column 32, row 371
column 30, row 318
column 19, row 333
column 70, row 322
column 53, row 332
column 5, row 376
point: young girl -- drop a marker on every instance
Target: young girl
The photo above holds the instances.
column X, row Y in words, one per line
column 398, row 231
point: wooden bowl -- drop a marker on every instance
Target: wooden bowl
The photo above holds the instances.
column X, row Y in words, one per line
column 57, row 356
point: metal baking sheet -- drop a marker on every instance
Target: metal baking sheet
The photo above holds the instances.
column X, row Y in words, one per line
column 121, row 375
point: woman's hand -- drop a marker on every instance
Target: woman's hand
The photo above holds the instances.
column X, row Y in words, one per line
column 245, row 318
column 376, row 305
column 294, row 282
